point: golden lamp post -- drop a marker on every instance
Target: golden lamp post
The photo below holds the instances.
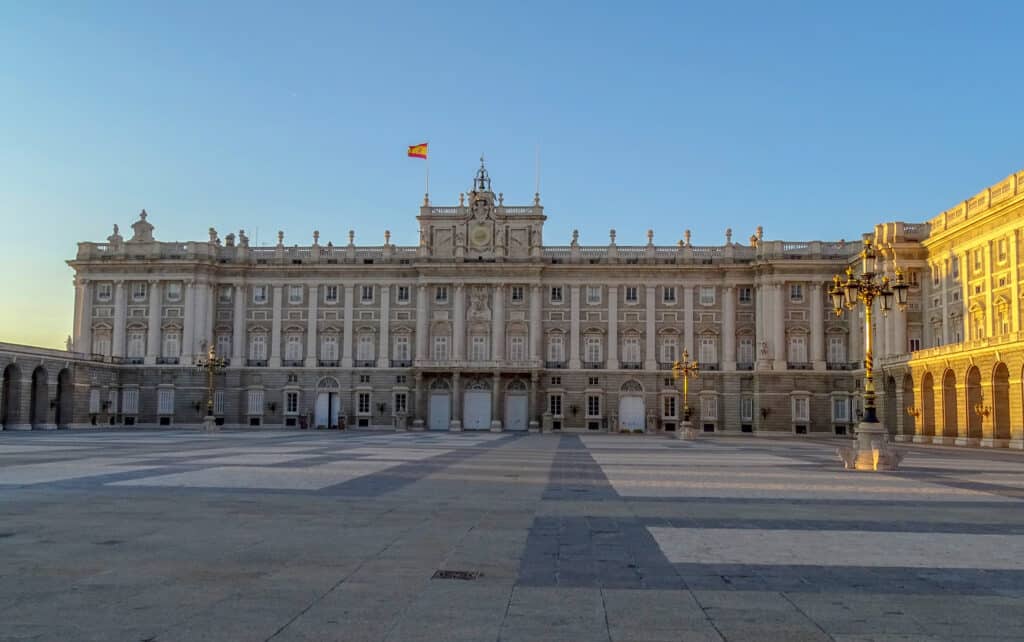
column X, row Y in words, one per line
column 684, row 369
column 212, row 365
column 871, row 450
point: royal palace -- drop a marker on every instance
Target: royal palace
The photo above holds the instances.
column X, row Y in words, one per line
column 483, row 326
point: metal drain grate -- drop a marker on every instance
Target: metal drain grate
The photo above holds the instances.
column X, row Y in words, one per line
column 454, row 575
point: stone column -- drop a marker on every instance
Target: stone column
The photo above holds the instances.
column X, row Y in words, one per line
column 1015, row 324
column 456, row 421
column 346, row 340
column 85, row 331
column 384, row 356
column 987, row 268
column 421, row 402
column 275, row 328
column 965, row 297
column 613, row 327
column 498, row 324
column 531, row 402
column 760, row 314
column 459, row 323
column 311, row 326
column 189, row 332
column 779, row 325
column 120, row 318
column 238, row 332
column 574, row 327
column 496, row 402
column 855, row 338
column 817, row 327
column 927, row 331
column 899, row 330
column 536, row 325
column 153, row 323
column 945, row 276
column 650, row 330
column 211, row 312
column 688, row 320
column 422, row 320
column 729, row 328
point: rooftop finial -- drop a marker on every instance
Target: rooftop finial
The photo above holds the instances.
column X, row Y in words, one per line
column 482, row 182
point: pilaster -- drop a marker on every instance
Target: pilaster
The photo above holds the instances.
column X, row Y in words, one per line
column 778, row 326
column 498, row 324
column 422, row 328
column 275, row 328
column 238, row 330
column 650, row 330
column 613, row 327
column 120, row 318
column 536, row 324
column 728, row 328
column 459, row 324
column 311, row 325
column 153, row 322
column 346, row 341
column 574, row 327
column 817, row 327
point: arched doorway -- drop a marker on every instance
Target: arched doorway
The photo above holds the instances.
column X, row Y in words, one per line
column 476, row 406
column 328, row 403
column 631, row 406
column 889, row 409
column 949, row 412
column 10, row 404
column 910, row 427
column 65, row 399
column 516, row 405
column 974, row 399
column 39, row 406
column 928, row 405
column 440, row 411
column 1001, row 403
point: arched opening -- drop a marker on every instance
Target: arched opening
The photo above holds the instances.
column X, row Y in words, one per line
column 889, row 408
column 65, row 399
column 10, row 404
column 516, row 405
column 928, row 405
column 949, row 413
column 327, row 408
column 632, row 414
column 910, row 426
column 439, row 409
column 476, row 405
column 974, row 399
column 1001, row 402
column 40, row 404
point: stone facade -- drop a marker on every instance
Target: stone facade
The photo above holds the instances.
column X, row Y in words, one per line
column 483, row 326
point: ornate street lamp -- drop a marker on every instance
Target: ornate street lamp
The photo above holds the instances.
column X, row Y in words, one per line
column 871, row 451
column 212, row 365
column 684, row 369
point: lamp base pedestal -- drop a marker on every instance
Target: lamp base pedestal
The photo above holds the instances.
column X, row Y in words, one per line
column 210, row 424
column 686, row 431
column 871, row 450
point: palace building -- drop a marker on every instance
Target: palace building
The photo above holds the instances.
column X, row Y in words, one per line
column 483, row 326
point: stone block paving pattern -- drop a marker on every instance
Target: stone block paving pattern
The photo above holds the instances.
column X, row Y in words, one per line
column 272, row 535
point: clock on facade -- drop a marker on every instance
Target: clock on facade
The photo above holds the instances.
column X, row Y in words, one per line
column 480, row 235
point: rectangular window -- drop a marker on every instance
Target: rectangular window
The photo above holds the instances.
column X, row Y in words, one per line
column 104, row 291
column 836, row 350
column 478, row 348
column 709, row 408
column 977, row 260
column 708, row 351
column 402, row 347
column 139, row 291
column 255, row 402
column 593, row 349
column 517, row 348
column 366, row 294
column 1001, row 250
column 935, row 275
column 403, row 294
column 294, row 294
column 441, row 348
column 364, row 347
column 915, row 343
column 707, row 295
column 801, row 409
column 517, row 294
column 746, row 409
column 291, row 402
column 401, row 403
column 955, row 261
column 363, row 403
column 330, row 294
column 293, row 347
column 668, row 294
column 746, row 295
column 745, row 350
column 669, row 349
column 631, row 349
column 136, row 345
column 172, row 345
column 165, row 401
column 840, row 410
column 441, row 294
column 94, row 401
column 796, row 292
column 593, row 294
column 593, row 405
column 218, row 402
column 593, row 381
column 555, row 405
column 259, row 294
column 224, row 294
column 669, row 407
column 556, row 294
column 798, row 349
column 556, row 351
column 632, row 296
column 130, row 399
column 223, row 345
column 329, row 347
column 556, row 381
column 258, row 347
column 174, row 291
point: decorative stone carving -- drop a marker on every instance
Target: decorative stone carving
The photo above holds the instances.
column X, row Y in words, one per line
column 478, row 308
column 142, row 229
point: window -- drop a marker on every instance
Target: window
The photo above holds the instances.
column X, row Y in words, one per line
column 174, row 291
column 400, row 379
column 593, row 405
column 165, row 401
column 1001, row 250
column 631, row 294
column 218, row 402
column 556, row 348
column 130, row 400
column 139, row 291
column 746, row 295
column 291, row 402
column 517, row 294
column 364, row 378
column 258, row 347
column 224, row 294
column 366, row 294
column 136, row 345
column 329, row 347
column 955, row 262
column 707, row 295
column 796, row 292
column 223, row 344
column 293, row 347
column 104, row 291
column 798, row 349
column 363, row 403
column 402, row 294
column 94, row 401
column 364, row 347
column 709, row 408
column 441, row 348
column 668, row 294
column 172, row 344
column 101, row 344
column 915, row 343
column 441, row 294
column 478, row 348
column 746, row 409
column 668, row 407
column 401, row 403
column 977, row 260
column 294, row 294
column 593, row 294
column 259, row 294
column 836, row 350
column 402, row 347
column 555, row 405
column 255, row 402
column 631, row 349
column 593, row 381
column 840, row 409
column 669, row 349
column 592, row 349
column 745, row 350
column 935, row 275
column 517, row 348
column 330, row 294
column 556, row 381
column 708, row 350
column 801, row 409
column 556, row 294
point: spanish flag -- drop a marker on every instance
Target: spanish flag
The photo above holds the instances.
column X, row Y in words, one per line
column 418, row 151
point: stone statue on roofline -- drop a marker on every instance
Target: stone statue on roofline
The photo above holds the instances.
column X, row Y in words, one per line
column 142, row 229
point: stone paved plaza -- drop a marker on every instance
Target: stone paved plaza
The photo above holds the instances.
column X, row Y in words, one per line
column 337, row 536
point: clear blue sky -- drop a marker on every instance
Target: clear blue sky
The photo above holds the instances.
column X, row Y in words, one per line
column 814, row 119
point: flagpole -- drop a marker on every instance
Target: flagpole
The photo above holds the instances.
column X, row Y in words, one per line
column 426, row 195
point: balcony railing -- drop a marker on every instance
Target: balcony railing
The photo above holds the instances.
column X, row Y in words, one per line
column 292, row 363
column 665, row 365
column 256, row 363
column 167, row 361
column 593, row 364
column 327, row 363
column 554, row 365
column 798, row 365
column 365, row 363
column 745, row 366
column 135, row 360
column 630, row 365
column 841, row 365
column 707, row 366
column 401, row 363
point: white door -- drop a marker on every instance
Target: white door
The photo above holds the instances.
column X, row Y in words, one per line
column 440, row 410
column 477, row 410
column 335, row 403
column 515, row 412
column 320, row 418
column 631, row 413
